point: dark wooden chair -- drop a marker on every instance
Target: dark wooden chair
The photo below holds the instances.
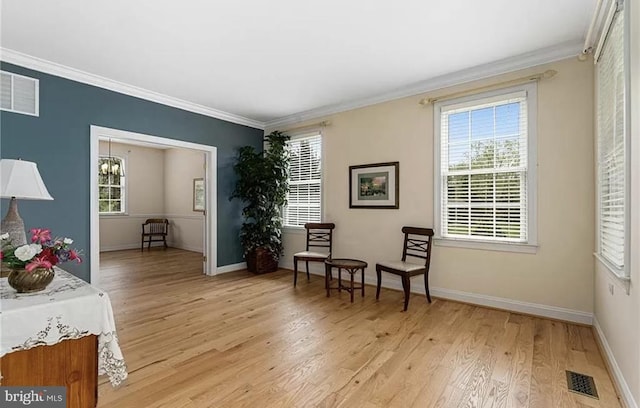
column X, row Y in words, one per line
column 320, row 236
column 155, row 230
column 417, row 244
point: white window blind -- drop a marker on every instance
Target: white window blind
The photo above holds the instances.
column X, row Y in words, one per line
column 611, row 145
column 111, row 186
column 484, row 169
column 304, row 200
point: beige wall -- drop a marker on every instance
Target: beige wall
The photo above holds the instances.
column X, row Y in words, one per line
column 618, row 314
column 187, row 226
column 159, row 185
column 560, row 274
column 144, row 170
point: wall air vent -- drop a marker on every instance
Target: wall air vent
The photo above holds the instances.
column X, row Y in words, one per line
column 19, row 94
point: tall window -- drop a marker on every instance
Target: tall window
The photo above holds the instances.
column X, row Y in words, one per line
column 304, row 201
column 485, row 175
column 111, row 188
column 611, row 142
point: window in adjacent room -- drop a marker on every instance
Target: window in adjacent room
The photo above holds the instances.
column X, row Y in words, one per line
column 304, row 201
column 111, row 185
column 485, row 165
column 612, row 141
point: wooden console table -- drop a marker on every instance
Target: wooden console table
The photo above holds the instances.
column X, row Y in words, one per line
column 62, row 336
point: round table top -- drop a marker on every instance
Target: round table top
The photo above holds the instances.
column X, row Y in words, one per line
column 346, row 263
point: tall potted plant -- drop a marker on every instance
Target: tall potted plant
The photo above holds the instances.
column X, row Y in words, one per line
column 262, row 185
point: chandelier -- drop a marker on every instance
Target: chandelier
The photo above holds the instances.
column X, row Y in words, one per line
column 111, row 166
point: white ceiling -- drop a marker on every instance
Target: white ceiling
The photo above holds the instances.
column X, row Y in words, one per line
column 267, row 60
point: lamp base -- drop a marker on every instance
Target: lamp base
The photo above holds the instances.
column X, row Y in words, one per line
column 13, row 225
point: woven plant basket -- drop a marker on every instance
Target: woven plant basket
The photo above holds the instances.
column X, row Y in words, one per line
column 261, row 261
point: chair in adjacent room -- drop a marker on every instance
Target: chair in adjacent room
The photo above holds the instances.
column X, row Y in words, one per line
column 417, row 244
column 320, row 239
column 154, row 230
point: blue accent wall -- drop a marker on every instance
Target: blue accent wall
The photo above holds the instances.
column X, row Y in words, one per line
column 58, row 141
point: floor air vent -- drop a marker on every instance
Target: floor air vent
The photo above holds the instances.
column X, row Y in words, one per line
column 581, row 384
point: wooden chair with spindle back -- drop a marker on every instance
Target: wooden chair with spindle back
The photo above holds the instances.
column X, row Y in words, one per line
column 319, row 237
column 155, row 230
column 417, row 244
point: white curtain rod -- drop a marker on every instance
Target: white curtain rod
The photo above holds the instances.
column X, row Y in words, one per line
column 605, row 29
column 588, row 44
column 550, row 73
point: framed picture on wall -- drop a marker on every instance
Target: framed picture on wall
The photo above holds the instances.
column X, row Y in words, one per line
column 375, row 186
column 198, row 194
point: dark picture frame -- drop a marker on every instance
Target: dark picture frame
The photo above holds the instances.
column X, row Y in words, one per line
column 375, row 185
column 198, row 195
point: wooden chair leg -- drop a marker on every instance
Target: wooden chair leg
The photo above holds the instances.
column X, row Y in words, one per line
column 426, row 287
column 406, row 285
column 142, row 245
column 308, row 277
column 327, row 272
column 351, row 273
column 149, row 246
column 164, row 240
column 295, row 272
column 362, row 270
column 379, row 273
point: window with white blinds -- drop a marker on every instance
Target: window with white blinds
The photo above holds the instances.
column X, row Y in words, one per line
column 304, row 201
column 484, row 168
column 611, row 147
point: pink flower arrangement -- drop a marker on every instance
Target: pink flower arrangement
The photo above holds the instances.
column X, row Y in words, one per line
column 43, row 251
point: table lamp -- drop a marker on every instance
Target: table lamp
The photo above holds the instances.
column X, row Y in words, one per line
column 19, row 179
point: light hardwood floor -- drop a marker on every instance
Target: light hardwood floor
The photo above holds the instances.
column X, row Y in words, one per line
column 239, row 340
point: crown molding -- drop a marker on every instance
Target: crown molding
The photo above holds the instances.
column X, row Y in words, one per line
column 522, row 61
column 48, row 67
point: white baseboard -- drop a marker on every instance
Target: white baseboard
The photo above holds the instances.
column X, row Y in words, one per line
column 623, row 387
column 231, row 268
column 179, row 245
column 122, row 247
column 119, row 247
column 536, row 309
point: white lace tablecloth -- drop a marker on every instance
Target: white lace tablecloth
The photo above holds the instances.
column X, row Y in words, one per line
column 69, row 308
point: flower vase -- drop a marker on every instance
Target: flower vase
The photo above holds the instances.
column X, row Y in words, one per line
column 24, row 281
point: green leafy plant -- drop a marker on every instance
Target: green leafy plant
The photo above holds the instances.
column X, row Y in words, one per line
column 263, row 186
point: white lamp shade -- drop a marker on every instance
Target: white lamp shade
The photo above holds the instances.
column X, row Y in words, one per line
column 21, row 179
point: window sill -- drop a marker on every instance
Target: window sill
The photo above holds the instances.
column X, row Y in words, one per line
column 615, row 273
column 486, row 246
column 294, row 230
column 119, row 215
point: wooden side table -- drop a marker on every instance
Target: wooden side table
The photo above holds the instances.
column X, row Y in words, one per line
column 70, row 363
column 64, row 335
column 352, row 266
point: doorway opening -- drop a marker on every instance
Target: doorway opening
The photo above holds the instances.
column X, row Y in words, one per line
column 206, row 210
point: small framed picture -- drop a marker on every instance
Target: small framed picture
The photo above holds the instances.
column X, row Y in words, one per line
column 198, row 194
column 375, row 186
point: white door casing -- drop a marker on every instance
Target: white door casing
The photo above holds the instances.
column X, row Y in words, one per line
column 210, row 152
